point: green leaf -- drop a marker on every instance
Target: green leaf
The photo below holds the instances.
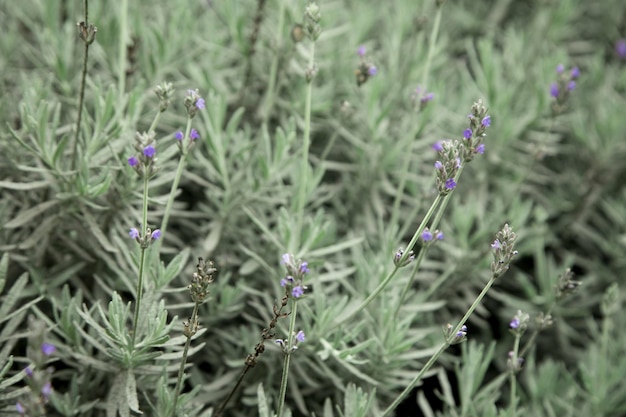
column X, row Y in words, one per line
column 4, row 266
column 28, row 215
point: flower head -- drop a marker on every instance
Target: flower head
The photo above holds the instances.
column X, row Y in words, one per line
column 450, row 183
column 133, row 161
column 560, row 68
column 48, row 349
column 193, row 135
column 427, row 236
column 200, row 103
column 467, row 133
column 372, row 71
column 297, row 291
column 300, row 336
column 486, row 122
column 575, row 73
column 156, row 234
column 179, row 135
column 480, row 148
column 149, row 151
column 437, row 146
column 133, row 233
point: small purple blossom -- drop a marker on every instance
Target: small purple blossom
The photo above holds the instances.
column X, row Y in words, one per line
column 486, row 121
column 297, row 291
column 571, row 85
column 179, row 135
column 361, row 51
column 438, row 165
column 620, row 48
column 480, row 148
column 156, row 234
column 280, row 342
column 554, row 90
column 372, row 70
column 428, row 97
column 149, row 151
column 200, row 103
column 450, row 183
column 133, row 161
column 560, row 68
column 46, row 390
column 28, row 371
column 300, row 336
column 575, row 73
column 20, row 408
column 458, row 163
column 285, row 259
column 133, row 233
column 438, row 146
column 48, row 349
column 288, row 280
column 467, row 133
column 193, row 135
column 514, row 324
column 439, row 236
column 462, row 332
column 304, row 268
column 427, row 236
column 496, row 244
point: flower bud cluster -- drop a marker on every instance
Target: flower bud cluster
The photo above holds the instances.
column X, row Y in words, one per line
column 447, row 165
column 193, row 102
column 292, row 282
column 312, row 17
column 164, row 92
column 148, row 237
column 201, row 280
column 561, row 89
column 452, row 337
column 503, row 250
column 473, row 136
column 283, row 343
column 143, row 162
column 365, row 70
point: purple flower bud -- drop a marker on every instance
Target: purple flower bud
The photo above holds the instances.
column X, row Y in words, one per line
column 149, row 151
column 20, row 408
column 428, row 97
column 486, row 121
column 560, row 68
column 283, row 282
column 439, row 236
column 467, row 133
column 438, row 146
column 496, row 244
column 193, row 135
column 46, row 390
column 361, row 51
column 300, row 336
column 438, row 165
column 156, row 234
column 280, row 342
column 200, row 103
column 372, row 71
column 620, row 48
column 514, row 324
column 133, row 233
column 554, row 90
column 179, row 135
column 571, row 85
column 48, row 349
column 304, row 268
column 427, row 236
column 575, row 73
column 133, row 161
column 28, row 371
column 480, row 148
column 450, row 183
column 297, row 291
column 285, row 259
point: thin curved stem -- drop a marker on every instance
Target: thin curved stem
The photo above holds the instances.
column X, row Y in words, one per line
column 285, row 375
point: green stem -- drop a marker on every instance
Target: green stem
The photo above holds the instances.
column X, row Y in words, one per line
column 431, row 46
column 303, row 184
column 269, row 94
column 409, row 283
column 81, row 97
column 439, row 352
column 513, row 381
column 283, row 381
column 123, row 36
column 142, row 261
column 390, row 276
column 181, row 370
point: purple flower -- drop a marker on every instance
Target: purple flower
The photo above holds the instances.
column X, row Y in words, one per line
column 450, row 183
column 46, row 390
column 156, row 234
column 467, row 133
column 280, row 342
column 480, row 148
column 514, row 324
column 48, row 349
column 620, row 48
column 427, row 236
column 300, row 336
column 304, row 268
column 133, row 161
column 288, row 280
column 297, row 291
column 193, row 135
column 28, row 371
column 372, row 71
column 560, row 68
column 133, row 233
column 438, row 165
column 496, row 244
column 458, row 162
column 20, row 408
column 554, row 90
column 439, row 236
column 438, row 146
column 179, row 135
column 462, row 332
column 486, row 121
column 361, row 51
column 575, row 73
column 285, row 259
column 571, row 85
column 428, row 97
column 200, row 103
column 149, row 151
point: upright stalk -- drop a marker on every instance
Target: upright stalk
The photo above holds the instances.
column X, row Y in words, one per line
column 123, row 45
column 285, row 375
column 266, row 109
column 181, row 370
column 142, row 261
column 432, row 43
